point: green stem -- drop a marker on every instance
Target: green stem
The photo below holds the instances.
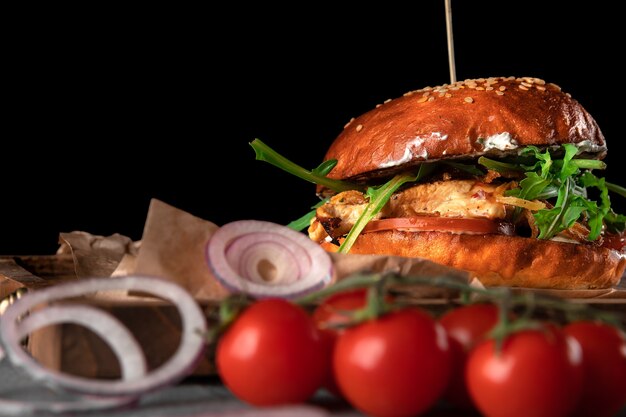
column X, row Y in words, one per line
column 267, row 154
column 616, row 188
column 353, row 282
column 588, row 163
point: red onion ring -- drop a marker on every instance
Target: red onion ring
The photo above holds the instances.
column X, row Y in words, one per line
column 112, row 331
column 15, row 324
column 265, row 259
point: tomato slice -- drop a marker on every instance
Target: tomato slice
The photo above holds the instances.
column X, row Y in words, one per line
column 439, row 224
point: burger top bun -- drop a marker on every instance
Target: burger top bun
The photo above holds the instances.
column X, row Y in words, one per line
column 491, row 116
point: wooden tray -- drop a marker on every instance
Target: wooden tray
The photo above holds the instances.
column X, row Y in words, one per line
column 75, row 350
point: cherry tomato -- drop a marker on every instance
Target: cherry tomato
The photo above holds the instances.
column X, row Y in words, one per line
column 329, row 313
column 271, row 354
column 604, row 368
column 466, row 326
column 536, row 373
column 396, row 365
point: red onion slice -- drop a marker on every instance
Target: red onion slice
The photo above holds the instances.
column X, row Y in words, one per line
column 112, row 331
column 265, row 259
column 179, row 365
column 244, row 256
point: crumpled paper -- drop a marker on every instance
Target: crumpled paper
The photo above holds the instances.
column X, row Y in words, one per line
column 96, row 256
column 173, row 245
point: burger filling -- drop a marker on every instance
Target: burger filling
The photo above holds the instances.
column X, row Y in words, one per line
column 536, row 193
column 539, row 197
column 458, row 206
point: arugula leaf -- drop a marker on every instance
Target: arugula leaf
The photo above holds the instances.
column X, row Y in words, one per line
column 615, row 223
column 543, row 160
column 564, row 179
column 378, row 197
column 325, row 167
column 316, row 176
column 305, row 221
column 551, row 221
column 531, row 187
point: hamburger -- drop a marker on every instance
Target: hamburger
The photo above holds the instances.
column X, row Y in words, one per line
column 494, row 176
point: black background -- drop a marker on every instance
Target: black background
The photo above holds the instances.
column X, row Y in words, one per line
column 109, row 108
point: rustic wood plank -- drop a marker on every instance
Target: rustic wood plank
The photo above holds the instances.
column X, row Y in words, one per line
column 9, row 269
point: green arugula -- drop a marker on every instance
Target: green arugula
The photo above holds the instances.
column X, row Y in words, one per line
column 547, row 178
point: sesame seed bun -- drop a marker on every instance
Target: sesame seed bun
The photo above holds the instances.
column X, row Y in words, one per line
column 463, row 120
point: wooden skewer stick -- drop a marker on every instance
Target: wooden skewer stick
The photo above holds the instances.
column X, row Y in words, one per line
column 450, row 41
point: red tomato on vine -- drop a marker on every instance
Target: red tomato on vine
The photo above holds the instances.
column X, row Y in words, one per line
column 272, row 354
column 535, row 373
column 395, row 365
column 604, row 368
column 466, row 326
column 328, row 316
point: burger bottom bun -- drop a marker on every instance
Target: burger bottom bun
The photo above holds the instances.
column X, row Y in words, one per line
column 498, row 260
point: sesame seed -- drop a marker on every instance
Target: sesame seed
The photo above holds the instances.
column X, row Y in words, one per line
column 525, row 84
column 540, row 87
column 480, row 88
column 349, row 122
column 529, row 80
column 568, row 95
column 489, row 88
column 556, row 87
column 410, row 93
column 422, row 99
column 378, row 105
column 448, row 95
column 359, row 127
column 387, row 101
column 521, row 87
column 431, row 98
column 426, row 94
column 468, row 100
column 500, row 93
column 539, row 81
column 502, row 88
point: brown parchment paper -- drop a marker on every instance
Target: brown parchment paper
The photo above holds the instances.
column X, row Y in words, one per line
column 96, row 256
column 172, row 247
